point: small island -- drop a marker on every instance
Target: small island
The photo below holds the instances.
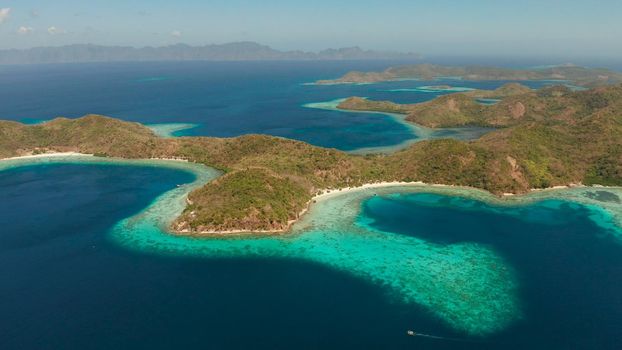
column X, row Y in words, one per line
column 513, row 104
column 545, row 138
column 580, row 76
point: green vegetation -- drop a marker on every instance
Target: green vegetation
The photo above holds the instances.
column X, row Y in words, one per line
column 558, row 138
column 261, row 199
column 518, row 105
column 581, row 76
column 449, row 111
column 363, row 104
column 444, row 161
column 90, row 134
column 606, row 170
column 455, row 110
column 506, row 90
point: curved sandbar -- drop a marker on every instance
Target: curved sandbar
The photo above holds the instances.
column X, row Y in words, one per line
column 467, row 285
column 413, row 271
column 604, row 203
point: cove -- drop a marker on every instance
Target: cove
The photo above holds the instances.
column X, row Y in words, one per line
column 469, row 284
column 466, row 284
column 410, row 132
column 223, row 99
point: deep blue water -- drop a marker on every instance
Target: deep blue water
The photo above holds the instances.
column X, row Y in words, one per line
column 66, row 286
column 224, row 98
column 569, row 269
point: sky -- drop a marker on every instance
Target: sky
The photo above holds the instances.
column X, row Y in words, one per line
column 433, row 27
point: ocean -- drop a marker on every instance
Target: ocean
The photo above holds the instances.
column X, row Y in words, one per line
column 223, row 99
column 358, row 273
column 81, row 270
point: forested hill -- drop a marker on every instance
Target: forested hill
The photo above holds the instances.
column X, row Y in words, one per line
column 570, row 138
column 581, row 76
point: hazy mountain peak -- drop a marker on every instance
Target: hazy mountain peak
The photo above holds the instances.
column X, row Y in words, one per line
column 234, row 51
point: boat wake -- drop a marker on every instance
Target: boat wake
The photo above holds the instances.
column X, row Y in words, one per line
column 428, row 336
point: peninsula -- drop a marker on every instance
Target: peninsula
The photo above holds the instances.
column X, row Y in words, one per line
column 515, row 104
column 580, row 76
column 559, row 137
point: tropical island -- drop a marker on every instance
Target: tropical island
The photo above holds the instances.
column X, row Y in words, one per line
column 580, row 76
column 545, row 138
column 515, row 104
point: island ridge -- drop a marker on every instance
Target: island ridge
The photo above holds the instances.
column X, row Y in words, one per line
column 580, row 76
column 561, row 138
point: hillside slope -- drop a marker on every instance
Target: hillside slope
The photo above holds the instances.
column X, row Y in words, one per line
column 562, row 138
column 581, row 76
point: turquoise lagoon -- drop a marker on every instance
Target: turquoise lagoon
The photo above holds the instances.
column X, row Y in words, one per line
column 461, row 255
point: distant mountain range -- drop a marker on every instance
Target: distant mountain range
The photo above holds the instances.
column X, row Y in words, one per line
column 239, row 51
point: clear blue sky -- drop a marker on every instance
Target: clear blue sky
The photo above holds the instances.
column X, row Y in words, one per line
column 466, row 27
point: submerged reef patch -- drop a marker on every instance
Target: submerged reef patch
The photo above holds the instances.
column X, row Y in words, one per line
column 168, row 130
column 604, row 196
column 469, row 286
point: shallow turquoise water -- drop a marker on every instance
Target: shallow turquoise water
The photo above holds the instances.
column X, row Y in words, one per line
column 168, row 130
column 444, row 261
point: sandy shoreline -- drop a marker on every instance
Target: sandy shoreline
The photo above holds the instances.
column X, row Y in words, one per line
column 77, row 154
column 322, row 196
column 331, row 193
column 49, row 155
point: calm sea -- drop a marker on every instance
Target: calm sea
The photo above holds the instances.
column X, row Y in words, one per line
column 224, row 98
column 66, row 285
